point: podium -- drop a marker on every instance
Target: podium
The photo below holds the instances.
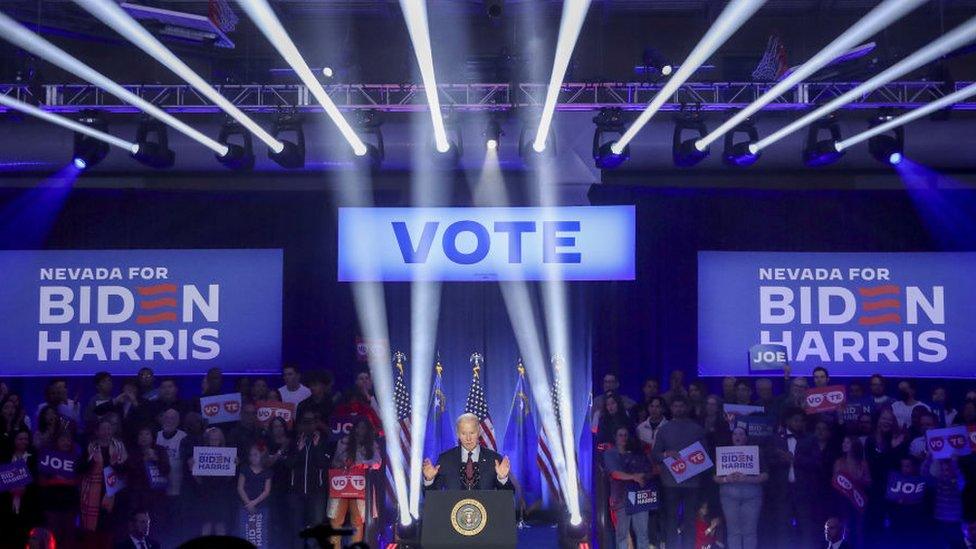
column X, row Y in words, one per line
column 468, row 518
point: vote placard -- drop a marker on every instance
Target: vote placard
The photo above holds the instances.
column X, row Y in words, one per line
column 60, row 464
column 114, row 483
column 735, row 411
column 849, row 489
column 737, row 459
column 14, row 475
column 214, row 461
column 948, row 442
column 221, row 408
column 269, row 409
column 905, row 490
column 645, row 499
column 692, row 461
column 768, row 358
column 347, row 483
column 825, row 399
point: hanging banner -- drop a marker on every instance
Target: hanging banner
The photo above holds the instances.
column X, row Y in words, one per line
column 74, row 312
column 856, row 314
column 477, row 244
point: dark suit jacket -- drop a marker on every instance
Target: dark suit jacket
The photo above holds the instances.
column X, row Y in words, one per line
column 843, row 545
column 449, row 477
column 127, row 544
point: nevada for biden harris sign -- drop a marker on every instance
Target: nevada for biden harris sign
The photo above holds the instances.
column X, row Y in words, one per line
column 854, row 313
column 179, row 311
column 475, row 244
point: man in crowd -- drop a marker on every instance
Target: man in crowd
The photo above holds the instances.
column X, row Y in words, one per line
column 903, row 407
column 138, row 537
column 821, row 378
column 307, row 463
column 879, row 393
column 968, row 540
column 835, row 534
column 321, row 401
column 147, row 384
column 610, row 385
column 175, row 442
column 102, row 401
column 168, row 398
column 676, row 386
column 787, row 499
column 293, row 391
column 728, row 388
column 676, row 435
column 743, row 392
column 945, row 413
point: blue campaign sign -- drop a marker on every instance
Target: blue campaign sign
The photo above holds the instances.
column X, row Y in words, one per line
column 477, row 244
column 74, row 312
column 899, row 314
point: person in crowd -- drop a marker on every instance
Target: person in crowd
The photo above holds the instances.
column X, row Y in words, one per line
column 49, row 423
column 649, row 391
column 279, row 444
column 676, row 386
column 708, row 528
column 879, row 393
column 813, row 464
column 307, row 462
column 947, row 483
column 968, row 538
column 13, row 419
column 788, row 501
column 213, row 496
column 149, row 469
column 321, row 401
column 865, row 427
column 796, row 395
column 58, row 488
column 168, row 399
column 254, row 489
column 138, row 533
column 743, row 393
column 243, row 386
column 713, row 420
column 102, row 401
column 910, row 515
column 293, row 391
column 56, row 396
column 742, row 496
column 967, row 413
column 764, row 393
column 359, row 400
column 941, row 406
column 835, row 534
column 611, row 384
column 728, row 388
column 906, row 403
column 274, row 395
column 854, row 466
column 628, row 471
column 17, row 509
column 358, row 451
column 696, row 399
column 681, row 499
column 133, row 411
column 105, row 454
column 246, row 432
column 146, row 382
column 647, row 433
column 259, row 390
column 821, row 377
column 926, row 422
column 612, row 417
column 883, row 450
column 174, row 443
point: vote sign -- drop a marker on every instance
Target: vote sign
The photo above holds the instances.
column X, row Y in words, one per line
column 768, row 357
column 347, row 483
column 692, row 461
column 221, row 408
column 214, row 461
column 948, row 442
column 905, row 490
column 737, row 459
column 269, row 409
column 645, row 499
column 825, row 399
column 54, row 463
column 849, row 489
column 113, row 482
column 14, row 475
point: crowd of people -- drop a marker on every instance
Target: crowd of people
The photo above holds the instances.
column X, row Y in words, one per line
column 103, row 470
column 874, row 439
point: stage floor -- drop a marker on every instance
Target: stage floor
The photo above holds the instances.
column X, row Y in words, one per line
column 536, row 537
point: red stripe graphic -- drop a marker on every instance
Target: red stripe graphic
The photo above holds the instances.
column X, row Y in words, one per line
column 879, row 290
column 881, row 304
column 890, row 318
column 153, row 319
column 157, row 303
column 157, row 289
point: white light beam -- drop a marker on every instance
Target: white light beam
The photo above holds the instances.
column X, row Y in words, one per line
column 415, row 14
column 67, row 123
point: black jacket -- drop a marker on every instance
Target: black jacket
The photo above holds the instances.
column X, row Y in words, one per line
column 449, row 475
column 308, row 467
column 127, row 544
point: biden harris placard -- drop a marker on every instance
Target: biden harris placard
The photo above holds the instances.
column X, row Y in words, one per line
column 904, row 314
column 476, row 244
column 73, row 312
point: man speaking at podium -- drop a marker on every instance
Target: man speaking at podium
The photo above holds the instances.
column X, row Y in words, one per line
column 470, row 465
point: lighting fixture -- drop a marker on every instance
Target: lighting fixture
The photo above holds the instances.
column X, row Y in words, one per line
column 683, row 150
column 738, row 153
column 609, row 122
column 152, row 139
column 293, row 155
column 240, row 150
column 820, row 152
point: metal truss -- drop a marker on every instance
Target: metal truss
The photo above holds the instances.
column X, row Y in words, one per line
column 578, row 96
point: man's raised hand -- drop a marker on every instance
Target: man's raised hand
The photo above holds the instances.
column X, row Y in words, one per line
column 503, row 467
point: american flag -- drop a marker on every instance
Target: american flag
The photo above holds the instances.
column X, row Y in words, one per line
column 477, row 405
column 401, row 397
column 547, row 466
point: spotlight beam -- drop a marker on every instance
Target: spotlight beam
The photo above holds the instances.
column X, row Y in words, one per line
column 67, row 123
column 114, row 16
column 735, row 14
column 264, row 17
column 880, row 17
column 415, row 15
column 30, row 41
column 910, row 116
column 955, row 38
column 574, row 13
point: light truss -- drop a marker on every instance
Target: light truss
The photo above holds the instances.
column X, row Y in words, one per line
column 719, row 96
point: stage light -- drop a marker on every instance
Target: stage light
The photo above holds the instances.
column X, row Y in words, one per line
column 293, row 155
column 369, row 124
column 88, row 149
column 415, row 15
column 152, row 140
column 880, row 17
column 114, row 16
column 820, row 152
column 34, row 43
column 240, row 154
column 572, row 532
column 574, row 13
column 80, row 163
column 493, row 134
column 67, row 123
column 887, row 148
column 609, row 121
column 683, row 151
column 735, row 14
column 895, row 158
column 952, row 40
column 265, row 19
column 740, row 153
column 327, row 72
column 654, row 63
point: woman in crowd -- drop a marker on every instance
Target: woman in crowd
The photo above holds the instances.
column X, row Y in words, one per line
column 713, row 420
column 58, row 489
column 259, row 390
column 104, row 454
column 148, row 473
column 48, row 425
column 254, row 489
column 696, row 399
column 854, row 466
column 213, row 496
column 12, row 420
column 358, row 451
column 279, row 442
column 947, row 493
column 649, row 391
column 741, row 497
column 17, row 509
column 883, row 450
column 612, row 417
column 967, row 413
column 628, row 470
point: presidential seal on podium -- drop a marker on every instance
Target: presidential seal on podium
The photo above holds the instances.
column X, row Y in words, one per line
column 468, row 517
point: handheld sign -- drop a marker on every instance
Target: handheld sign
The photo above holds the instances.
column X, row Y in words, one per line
column 157, row 480
column 825, row 399
column 735, row 411
column 768, row 358
column 269, row 409
column 948, row 442
column 757, row 427
column 113, row 482
column 852, row 410
column 972, row 438
column 347, row 483
column 849, row 489
column 644, row 499
column 54, row 463
column 221, row 408
column 214, row 461
column 737, row 459
column 693, row 460
column 14, row 475
column 340, row 426
column 905, row 490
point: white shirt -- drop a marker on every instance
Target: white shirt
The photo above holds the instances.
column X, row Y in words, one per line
column 647, row 432
column 172, row 446
column 835, row 544
column 791, row 446
column 140, row 543
column 903, row 412
column 475, row 454
column 296, row 396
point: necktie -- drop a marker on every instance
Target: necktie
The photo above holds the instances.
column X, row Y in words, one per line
column 469, row 472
